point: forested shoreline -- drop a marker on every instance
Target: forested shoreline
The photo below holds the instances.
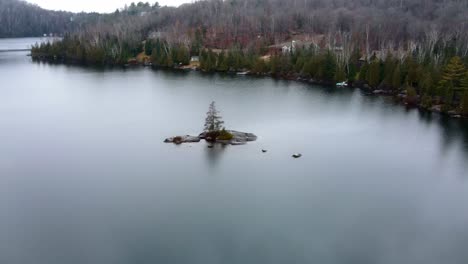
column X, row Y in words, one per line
column 415, row 50
column 21, row 19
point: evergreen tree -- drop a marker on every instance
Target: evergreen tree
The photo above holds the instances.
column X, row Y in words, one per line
column 396, row 78
column 351, row 73
column 363, row 71
column 453, row 73
column 260, row 66
column 230, row 60
column 373, row 75
column 181, row 55
column 222, row 64
column 275, row 65
column 340, row 75
column 149, row 47
column 208, row 60
column 307, row 70
column 426, row 85
column 169, row 61
column 426, row 101
column 464, row 103
column 213, row 122
column 388, row 69
column 285, row 64
column 464, row 81
column 329, row 67
column 300, row 61
column 413, row 72
column 411, row 95
column 448, row 98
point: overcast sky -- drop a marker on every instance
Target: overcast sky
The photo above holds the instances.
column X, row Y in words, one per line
column 97, row 5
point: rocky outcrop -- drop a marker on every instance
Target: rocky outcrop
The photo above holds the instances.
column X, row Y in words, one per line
column 238, row 138
column 242, row 136
column 182, row 139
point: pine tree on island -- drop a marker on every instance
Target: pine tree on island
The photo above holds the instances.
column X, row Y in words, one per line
column 214, row 128
column 213, row 121
column 214, row 131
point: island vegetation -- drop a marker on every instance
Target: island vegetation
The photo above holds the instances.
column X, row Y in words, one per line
column 215, row 132
column 413, row 50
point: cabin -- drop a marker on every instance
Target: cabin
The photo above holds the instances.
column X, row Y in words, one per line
column 282, row 48
column 289, row 46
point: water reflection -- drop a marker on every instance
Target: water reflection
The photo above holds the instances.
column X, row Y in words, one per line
column 214, row 153
column 84, row 172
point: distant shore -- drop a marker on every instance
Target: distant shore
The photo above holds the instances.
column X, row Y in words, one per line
column 14, row 50
column 399, row 96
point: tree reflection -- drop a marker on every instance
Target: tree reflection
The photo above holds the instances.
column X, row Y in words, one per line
column 214, row 152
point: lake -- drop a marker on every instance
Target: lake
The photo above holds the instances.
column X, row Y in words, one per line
column 86, row 178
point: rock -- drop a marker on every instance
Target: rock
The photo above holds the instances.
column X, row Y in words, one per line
column 378, row 91
column 242, row 136
column 239, row 138
column 384, row 87
column 297, row 155
column 224, row 142
column 182, row 139
column 436, row 108
column 235, row 143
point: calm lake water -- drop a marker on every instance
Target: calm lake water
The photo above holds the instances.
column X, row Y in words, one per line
column 85, row 177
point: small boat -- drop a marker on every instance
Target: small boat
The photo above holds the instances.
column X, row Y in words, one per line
column 264, row 150
column 297, row 155
column 342, row 84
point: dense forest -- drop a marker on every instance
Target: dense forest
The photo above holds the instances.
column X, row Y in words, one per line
column 375, row 24
column 21, row 19
column 416, row 50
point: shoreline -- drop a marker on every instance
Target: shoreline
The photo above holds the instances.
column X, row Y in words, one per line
column 399, row 97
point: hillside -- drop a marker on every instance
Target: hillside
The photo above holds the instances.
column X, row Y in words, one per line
column 21, row 19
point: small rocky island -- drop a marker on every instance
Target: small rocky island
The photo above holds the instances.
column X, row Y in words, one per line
column 215, row 132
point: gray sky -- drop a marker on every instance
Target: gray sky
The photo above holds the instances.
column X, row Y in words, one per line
column 97, row 5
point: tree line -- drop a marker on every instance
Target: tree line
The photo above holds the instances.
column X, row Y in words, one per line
column 21, row 19
column 414, row 48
